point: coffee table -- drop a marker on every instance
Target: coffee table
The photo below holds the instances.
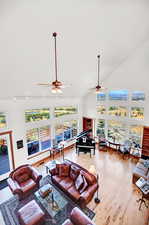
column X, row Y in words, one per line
column 54, row 202
column 61, row 207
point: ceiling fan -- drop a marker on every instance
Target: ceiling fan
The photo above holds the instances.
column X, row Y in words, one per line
column 98, row 88
column 56, row 85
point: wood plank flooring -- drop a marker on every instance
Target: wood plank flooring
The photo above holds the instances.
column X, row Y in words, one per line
column 117, row 193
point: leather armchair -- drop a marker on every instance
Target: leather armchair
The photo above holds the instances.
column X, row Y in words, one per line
column 77, row 217
column 23, row 180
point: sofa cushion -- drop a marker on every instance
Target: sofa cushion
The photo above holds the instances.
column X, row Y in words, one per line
column 89, row 177
column 79, row 182
column 22, row 178
column 74, row 192
column 142, row 167
column 74, row 172
column 85, row 185
column 63, row 170
column 57, row 178
column 66, row 183
column 27, row 185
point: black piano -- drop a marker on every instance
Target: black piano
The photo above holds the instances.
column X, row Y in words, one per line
column 84, row 143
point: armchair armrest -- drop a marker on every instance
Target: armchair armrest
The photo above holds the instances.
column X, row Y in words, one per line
column 14, row 186
column 36, row 175
column 87, row 195
column 78, row 217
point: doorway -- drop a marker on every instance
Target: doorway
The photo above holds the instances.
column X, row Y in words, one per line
column 6, row 154
column 87, row 124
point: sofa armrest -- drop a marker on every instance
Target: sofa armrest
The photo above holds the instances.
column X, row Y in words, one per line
column 53, row 171
column 36, row 175
column 87, row 195
column 14, row 186
column 79, row 218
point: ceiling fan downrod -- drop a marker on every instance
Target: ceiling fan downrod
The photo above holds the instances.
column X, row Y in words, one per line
column 55, row 51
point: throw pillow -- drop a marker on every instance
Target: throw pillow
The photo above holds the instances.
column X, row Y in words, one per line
column 90, row 178
column 79, row 182
column 63, row 170
column 74, row 172
column 84, row 186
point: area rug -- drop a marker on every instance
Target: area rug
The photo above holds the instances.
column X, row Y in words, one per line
column 9, row 208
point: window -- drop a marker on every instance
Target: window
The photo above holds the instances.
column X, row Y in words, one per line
column 32, row 141
column 116, row 131
column 135, row 133
column 101, row 96
column 61, row 111
column 138, row 96
column 101, row 128
column 118, row 95
column 74, row 125
column 59, row 129
column 45, row 137
column 37, row 115
column 38, row 139
column 135, row 136
column 137, row 112
column 101, row 109
column 2, row 120
column 66, row 131
column 117, row 111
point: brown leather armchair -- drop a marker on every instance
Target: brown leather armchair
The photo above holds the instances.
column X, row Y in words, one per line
column 23, row 180
column 77, row 217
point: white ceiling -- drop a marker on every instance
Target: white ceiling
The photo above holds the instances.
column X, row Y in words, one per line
column 115, row 28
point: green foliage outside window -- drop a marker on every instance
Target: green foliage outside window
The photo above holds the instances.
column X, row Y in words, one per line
column 117, row 111
column 137, row 112
column 37, row 115
column 101, row 109
column 61, row 111
column 2, row 120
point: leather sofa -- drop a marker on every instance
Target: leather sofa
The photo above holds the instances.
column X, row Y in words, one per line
column 23, row 180
column 67, row 184
column 140, row 170
column 77, row 217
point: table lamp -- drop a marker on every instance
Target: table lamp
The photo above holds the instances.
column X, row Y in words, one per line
column 62, row 144
column 92, row 170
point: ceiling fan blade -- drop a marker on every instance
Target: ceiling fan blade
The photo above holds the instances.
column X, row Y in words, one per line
column 66, row 85
column 44, row 84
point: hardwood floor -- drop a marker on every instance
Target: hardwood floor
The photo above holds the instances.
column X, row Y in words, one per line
column 117, row 193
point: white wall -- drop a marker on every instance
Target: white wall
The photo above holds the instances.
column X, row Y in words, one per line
column 16, row 121
column 132, row 74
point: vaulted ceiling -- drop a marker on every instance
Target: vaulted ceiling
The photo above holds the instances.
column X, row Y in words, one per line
column 115, row 29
